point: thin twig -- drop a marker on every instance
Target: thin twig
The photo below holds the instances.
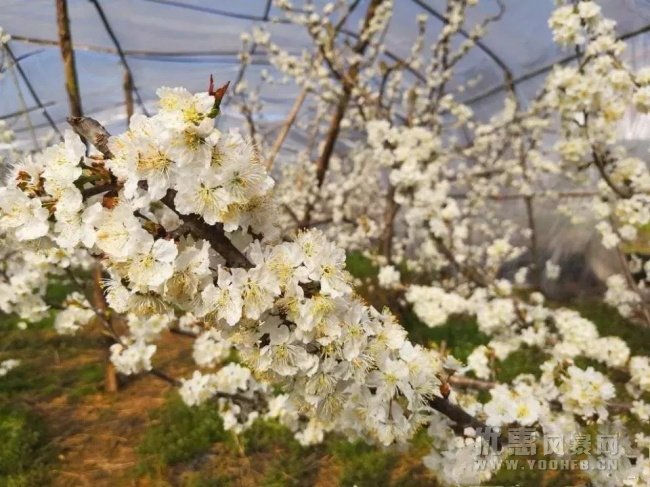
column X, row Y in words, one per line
column 286, row 127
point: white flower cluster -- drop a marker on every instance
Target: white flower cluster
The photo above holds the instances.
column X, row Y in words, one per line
column 579, row 336
column 7, row 365
column 172, row 228
column 434, row 305
column 496, row 314
column 388, row 276
column 620, row 295
column 568, row 21
column 77, row 312
column 640, row 374
column 520, row 404
column 25, row 271
column 451, row 455
column 479, row 362
column 585, row 392
column 230, row 380
column 132, row 358
column 210, row 348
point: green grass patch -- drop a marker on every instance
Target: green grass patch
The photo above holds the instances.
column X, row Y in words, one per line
column 292, row 464
column 39, row 350
column 525, row 360
column 9, row 323
column 460, row 334
column 203, row 479
column 57, row 291
column 179, row 433
column 266, row 435
column 610, row 323
column 362, row 464
column 24, row 460
column 359, row 265
column 89, row 379
column 33, row 380
column 28, row 378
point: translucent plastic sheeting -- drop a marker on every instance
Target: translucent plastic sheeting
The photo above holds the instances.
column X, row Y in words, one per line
column 180, row 42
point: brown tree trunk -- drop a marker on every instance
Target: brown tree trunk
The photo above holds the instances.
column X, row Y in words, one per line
column 386, row 242
column 111, row 383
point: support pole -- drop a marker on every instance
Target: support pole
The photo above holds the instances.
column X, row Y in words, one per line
column 128, row 94
column 67, row 53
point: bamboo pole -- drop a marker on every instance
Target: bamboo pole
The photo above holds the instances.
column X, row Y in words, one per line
column 67, row 53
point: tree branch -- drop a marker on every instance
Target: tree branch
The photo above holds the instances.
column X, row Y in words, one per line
column 214, row 234
column 463, row 420
column 162, row 375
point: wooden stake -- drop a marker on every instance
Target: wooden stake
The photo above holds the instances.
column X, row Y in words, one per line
column 128, row 94
column 67, row 53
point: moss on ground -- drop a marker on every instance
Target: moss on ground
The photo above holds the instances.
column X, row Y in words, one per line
column 24, row 457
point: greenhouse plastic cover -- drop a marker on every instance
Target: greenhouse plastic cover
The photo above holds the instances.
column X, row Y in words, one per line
column 181, row 42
